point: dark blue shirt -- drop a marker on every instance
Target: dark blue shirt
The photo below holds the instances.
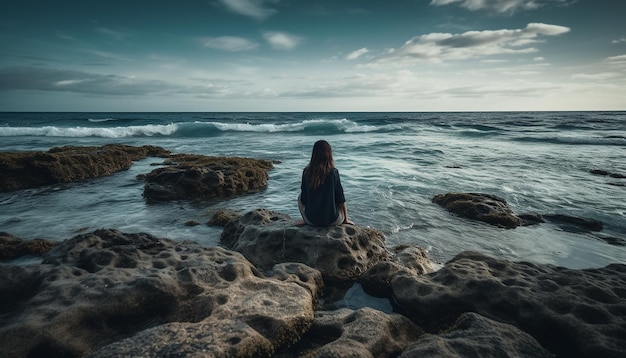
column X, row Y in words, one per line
column 320, row 205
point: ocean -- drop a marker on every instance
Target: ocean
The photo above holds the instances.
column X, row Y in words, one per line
column 391, row 165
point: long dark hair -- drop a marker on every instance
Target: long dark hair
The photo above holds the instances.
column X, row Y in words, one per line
column 320, row 165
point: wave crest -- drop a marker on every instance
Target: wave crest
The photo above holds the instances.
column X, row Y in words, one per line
column 99, row 120
column 198, row 129
column 105, row 132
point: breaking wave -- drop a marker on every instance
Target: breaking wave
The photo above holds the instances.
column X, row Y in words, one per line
column 198, row 129
column 105, row 132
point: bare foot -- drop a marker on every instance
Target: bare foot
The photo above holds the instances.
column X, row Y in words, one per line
column 348, row 222
column 300, row 223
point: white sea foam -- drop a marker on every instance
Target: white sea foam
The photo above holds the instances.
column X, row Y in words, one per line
column 98, row 120
column 261, row 128
column 338, row 125
column 105, row 132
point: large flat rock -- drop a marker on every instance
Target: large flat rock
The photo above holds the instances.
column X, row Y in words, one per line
column 340, row 252
column 189, row 176
column 113, row 295
column 30, row 169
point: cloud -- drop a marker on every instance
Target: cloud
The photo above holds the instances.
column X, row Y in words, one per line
column 229, row 43
column 44, row 79
column 501, row 6
column 282, row 40
column 595, row 76
column 107, row 55
column 442, row 47
column 253, row 8
column 357, row 53
column 620, row 40
column 64, row 36
column 118, row 35
column 617, row 60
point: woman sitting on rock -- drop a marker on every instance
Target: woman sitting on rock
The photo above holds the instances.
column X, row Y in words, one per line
column 321, row 201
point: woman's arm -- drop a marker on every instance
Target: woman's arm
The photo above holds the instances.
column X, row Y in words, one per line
column 344, row 211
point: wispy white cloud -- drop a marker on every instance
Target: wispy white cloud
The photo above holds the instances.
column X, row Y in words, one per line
column 229, row 43
column 501, row 6
column 103, row 54
column 443, row 47
column 620, row 40
column 44, row 79
column 118, row 35
column 257, row 9
column 282, row 40
column 357, row 53
column 595, row 76
column 65, row 36
column 617, row 60
column 106, row 55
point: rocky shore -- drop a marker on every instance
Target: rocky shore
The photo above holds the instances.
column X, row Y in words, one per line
column 112, row 294
column 274, row 289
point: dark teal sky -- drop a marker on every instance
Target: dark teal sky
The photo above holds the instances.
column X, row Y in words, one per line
column 278, row 55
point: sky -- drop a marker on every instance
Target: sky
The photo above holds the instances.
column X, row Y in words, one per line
column 296, row 55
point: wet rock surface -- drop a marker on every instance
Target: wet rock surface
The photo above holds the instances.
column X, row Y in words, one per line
column 189, row 176
column 495, row 211
column 223, row 217
column 340, row 252
column 482, row 207
column 574, row 224
column 21, row 170
column 12, row 247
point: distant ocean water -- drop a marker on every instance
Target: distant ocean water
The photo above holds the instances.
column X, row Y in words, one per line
column 391, row 165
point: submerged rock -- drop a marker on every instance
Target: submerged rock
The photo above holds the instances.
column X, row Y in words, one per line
column 189, row 176
column 574, row 224
column 143, row 296
column 603, row 172
column 572, row 313
column 21, row 170
column 495, row 211
column 611, row 240
column 340, row 252
column 482, row 207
